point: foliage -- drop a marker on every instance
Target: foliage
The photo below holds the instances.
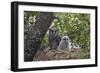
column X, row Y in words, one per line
column 77, row 26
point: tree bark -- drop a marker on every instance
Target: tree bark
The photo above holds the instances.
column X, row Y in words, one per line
column 36, row 34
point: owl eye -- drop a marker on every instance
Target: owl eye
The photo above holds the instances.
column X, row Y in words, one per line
column 67, row 38
column 64, row 38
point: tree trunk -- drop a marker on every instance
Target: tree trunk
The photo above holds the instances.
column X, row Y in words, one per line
column 36, row 34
